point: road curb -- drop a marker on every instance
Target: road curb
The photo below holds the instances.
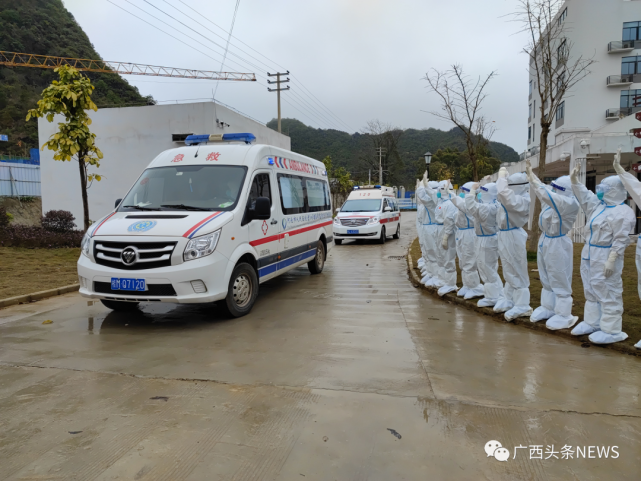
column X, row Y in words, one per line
column 523, row 322
column 37, row 296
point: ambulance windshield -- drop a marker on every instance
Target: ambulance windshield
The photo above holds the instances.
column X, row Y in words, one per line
column 362, row 205
column 186, row 187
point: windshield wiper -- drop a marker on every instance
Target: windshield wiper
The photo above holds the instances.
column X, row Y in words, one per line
column 183, row 206
column 139, row 207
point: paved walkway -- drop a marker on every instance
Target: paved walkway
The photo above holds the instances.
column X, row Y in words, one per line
column 352, row 374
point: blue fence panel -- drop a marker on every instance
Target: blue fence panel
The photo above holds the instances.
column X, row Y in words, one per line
column 18, row 179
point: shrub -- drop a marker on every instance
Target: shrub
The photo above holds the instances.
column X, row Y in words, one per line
column 35, row 236
column 58, row 221
column 5, row 218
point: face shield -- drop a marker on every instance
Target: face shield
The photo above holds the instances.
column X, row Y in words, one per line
column 488, row 193
column 519, row 184
column 562, row 186
column 611, row 191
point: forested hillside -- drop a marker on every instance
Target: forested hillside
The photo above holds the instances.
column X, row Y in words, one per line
column 45, row 27
column 356, row 152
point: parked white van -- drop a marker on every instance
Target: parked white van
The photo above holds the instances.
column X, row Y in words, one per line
column 370, row 212
column 209, row 222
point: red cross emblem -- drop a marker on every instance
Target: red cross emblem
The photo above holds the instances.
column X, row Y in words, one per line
column 264, row 227
column 178, row 158
column 213, row 156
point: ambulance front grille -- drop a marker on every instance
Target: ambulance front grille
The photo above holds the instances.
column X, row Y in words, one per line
column 354, row 222
column 151, row 255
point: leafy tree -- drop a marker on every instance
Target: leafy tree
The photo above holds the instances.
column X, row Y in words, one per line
column 339, row 180
column 71, row 97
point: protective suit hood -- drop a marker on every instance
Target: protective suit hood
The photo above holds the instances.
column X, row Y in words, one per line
column 488, row 193
column 466, row 187
column 615, row 192
column 519, row 184
column 445, row 188
column 563, row 186
column 433, row 184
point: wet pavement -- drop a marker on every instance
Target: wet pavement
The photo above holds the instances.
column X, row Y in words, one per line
column 352, row 374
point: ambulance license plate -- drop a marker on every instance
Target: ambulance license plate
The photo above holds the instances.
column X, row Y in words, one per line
column 126, row 284
column 352, row 231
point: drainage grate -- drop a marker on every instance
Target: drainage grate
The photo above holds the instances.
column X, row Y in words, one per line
column 396, row 258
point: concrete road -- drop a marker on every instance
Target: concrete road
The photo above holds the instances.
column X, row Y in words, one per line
column 349, row 375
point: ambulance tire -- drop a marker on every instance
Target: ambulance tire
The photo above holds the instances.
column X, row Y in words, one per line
column 316, row 265
column 121, row 306
column 398, row 232
column 383, row 236
column 338, row 241
column 241, row 292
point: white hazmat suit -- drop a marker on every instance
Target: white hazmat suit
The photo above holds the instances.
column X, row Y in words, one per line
column 484, row 213
column 426, row 195
column 555, row 249
column 420, row 218
column 633, row 186
column 513, row 195
column 446, row 213
column 610, row 222
column 467, row 248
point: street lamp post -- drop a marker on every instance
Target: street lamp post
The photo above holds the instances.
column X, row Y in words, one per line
column 428, row 161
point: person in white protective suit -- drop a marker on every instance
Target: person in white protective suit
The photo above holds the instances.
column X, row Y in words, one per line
column 426, row 195
column 466, row 248
column 446, row 213
column 611, row 222
column 484, row 213
column 420, row 216
column 513, row 196
column 555, row 249
column 633, row 186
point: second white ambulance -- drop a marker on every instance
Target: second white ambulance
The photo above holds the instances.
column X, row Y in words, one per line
column 370, row 212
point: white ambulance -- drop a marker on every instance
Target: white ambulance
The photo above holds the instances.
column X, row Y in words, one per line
column 370, row 212
column 209, row 222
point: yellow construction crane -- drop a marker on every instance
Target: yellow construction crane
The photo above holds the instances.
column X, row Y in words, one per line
column 13, row 59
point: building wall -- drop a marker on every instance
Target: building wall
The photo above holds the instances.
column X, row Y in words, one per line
column 130, row 138
column 590, row 26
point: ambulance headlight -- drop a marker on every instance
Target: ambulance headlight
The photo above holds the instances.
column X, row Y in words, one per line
column 84, row 245
column 373, row 220
column 201, row 246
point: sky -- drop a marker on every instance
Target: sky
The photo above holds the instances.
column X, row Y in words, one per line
column 350, row 61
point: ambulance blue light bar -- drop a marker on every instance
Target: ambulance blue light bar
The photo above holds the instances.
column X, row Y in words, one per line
column 203, row 139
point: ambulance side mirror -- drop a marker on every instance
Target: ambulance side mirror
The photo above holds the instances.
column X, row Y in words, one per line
column 387, row 209
column 338, row 209
column 262, row 209
column 118, row 203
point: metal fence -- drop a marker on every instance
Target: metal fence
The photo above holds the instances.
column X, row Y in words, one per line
column 19, row 180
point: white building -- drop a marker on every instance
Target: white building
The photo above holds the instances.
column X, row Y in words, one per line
column 130, row 138
column 596, row 116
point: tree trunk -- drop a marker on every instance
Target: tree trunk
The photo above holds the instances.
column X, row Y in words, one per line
column 83, row 187
column 535, row 232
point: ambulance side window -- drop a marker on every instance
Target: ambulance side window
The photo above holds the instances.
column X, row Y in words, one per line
column 317, row 195
column 292, row 194
column 260, row 187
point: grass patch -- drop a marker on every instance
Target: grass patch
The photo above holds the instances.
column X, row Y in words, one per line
column 23, row 271
column 631, row 304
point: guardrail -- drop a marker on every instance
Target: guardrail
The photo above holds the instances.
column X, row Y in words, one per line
column 19, row 180
column 620, row 79
column 617, row 45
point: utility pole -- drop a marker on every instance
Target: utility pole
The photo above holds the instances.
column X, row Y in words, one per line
column 278, row 88
column 380, row 165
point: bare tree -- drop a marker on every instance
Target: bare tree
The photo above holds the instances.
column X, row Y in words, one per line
column 554, row 69
column 461, row 102
column 384, row 136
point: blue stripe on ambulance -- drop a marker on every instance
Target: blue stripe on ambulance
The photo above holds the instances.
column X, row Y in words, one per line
column 276, row 266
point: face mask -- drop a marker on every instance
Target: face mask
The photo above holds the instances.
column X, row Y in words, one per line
column 478, row 196
column 462, row 195
column 600, row 195
column 438, row 194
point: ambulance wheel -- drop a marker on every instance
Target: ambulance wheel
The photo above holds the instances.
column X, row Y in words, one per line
column 120, row 305
column 383, row 236
column 338, row 241
column 398, row 232
column 316, row 265
column 242, row 291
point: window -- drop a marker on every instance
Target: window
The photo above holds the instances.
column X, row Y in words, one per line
column 529, row 134
column 317, row 195
column 560, row 83
column 529, row 116
column 562, row 51
column 560, row 111
column 259, row 188
column 534, row 109
column 531, row 87
column 292, row 194
column 630, row 65
column 630, row 97
column 533, row 129
column 631, row 31
column 563, row 16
